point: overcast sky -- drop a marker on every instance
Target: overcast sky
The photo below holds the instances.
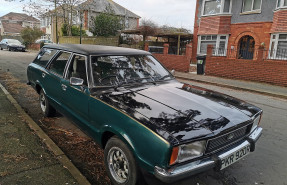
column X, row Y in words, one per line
column 177, row 13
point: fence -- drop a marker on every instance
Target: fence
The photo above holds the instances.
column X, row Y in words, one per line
column 108, row 41
column 252, row 54
column 172, row 50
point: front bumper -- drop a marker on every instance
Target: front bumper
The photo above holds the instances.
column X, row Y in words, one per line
column 187, row 170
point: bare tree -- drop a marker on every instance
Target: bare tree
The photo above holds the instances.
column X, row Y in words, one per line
column 147, row 28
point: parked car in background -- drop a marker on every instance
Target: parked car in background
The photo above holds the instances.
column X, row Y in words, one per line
column 142, row 117
column 155, row 49
column 45, row 41
column 12, row 45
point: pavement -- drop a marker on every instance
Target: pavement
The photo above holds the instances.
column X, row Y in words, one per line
column 27, row 154
column 261, row 88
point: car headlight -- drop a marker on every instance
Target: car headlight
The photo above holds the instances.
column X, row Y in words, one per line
column 187, row 151
column 256, row 122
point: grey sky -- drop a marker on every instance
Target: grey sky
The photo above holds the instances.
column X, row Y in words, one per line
column 177, row 13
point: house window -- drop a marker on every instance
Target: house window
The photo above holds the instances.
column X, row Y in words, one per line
column 281, row 3
column 278, row 46
column 251, row 5
column 219, row 43
column 213, row 7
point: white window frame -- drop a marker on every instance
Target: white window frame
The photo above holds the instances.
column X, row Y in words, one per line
column 276, row 40
column 252, row 6
column 281, row 5
column 216, row 45
column 221, row 8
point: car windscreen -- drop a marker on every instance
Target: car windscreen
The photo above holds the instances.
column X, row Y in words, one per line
column 114, row 70
column 14, row 42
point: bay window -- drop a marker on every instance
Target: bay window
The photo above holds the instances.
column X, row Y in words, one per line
column 213, row 7
column 251, row 5
column 219, row 43
column 278, row 46
column 281, row 4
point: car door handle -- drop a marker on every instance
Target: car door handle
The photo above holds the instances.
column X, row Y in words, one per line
column 43, row 75
column 64, row 87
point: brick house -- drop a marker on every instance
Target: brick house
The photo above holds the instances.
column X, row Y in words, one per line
column 241, row 26
column 92, row 8
column 88, row 9
column 12, row 23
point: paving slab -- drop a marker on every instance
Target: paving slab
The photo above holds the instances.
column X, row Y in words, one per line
column 24, row 158
column 262, row 88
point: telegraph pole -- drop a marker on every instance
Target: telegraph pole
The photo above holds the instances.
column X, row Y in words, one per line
column 57, row 38
column 81, row 26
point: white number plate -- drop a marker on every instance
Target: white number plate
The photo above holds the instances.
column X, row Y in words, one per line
column 235, row 156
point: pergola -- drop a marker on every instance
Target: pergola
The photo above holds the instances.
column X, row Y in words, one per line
column 178, row 35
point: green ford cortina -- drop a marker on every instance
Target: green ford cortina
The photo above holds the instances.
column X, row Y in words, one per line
column 142, row 117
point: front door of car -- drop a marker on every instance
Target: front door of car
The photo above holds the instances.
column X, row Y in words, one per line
column 53, row 78
column 76, row 98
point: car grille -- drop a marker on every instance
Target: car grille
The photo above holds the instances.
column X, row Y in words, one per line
column 225, row 140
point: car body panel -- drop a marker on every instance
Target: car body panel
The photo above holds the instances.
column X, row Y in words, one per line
column 6, row 44
column 151, row 118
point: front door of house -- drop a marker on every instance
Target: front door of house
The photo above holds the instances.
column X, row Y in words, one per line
column 246, row 47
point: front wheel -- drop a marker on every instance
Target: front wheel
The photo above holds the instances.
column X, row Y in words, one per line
column 9, row 49
column 120, row 163
column 46, row 108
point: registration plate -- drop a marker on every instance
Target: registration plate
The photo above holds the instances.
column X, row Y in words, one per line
column 235, row 156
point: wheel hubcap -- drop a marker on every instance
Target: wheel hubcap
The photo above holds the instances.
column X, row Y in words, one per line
column 118, row 164
column 43, row 102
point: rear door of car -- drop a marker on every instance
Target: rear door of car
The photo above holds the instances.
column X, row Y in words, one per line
column 37, row 69
column 53, row 76
column 76, row 98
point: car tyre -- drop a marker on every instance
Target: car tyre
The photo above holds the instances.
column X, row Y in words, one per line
column 1, row 48
column 120, row 163
column 46, row 108
column 9, row 48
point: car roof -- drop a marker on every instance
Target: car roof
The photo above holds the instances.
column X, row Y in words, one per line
column 97, row 49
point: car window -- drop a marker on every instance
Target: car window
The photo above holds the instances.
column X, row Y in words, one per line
column 77, row 68
column 58, row 64
column 108, row 70
column 44, row 56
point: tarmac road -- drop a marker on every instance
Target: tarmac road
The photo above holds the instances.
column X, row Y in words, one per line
column 267, row 165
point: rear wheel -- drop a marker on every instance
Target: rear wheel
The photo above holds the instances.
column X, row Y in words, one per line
column 46, row 108
column 120, row 163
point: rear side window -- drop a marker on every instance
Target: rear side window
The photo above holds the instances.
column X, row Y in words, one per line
column 44, row 56
column 58, row 65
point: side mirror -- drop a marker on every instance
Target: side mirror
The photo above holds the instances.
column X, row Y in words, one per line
column 172, row 72
column 76, row 81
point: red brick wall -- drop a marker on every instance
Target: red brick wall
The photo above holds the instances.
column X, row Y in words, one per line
column 267, row 71
column 176, row 62
column 279, row 21
column 260, row 31
column 195, row 31
column 214, row 25
column 34, row 46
